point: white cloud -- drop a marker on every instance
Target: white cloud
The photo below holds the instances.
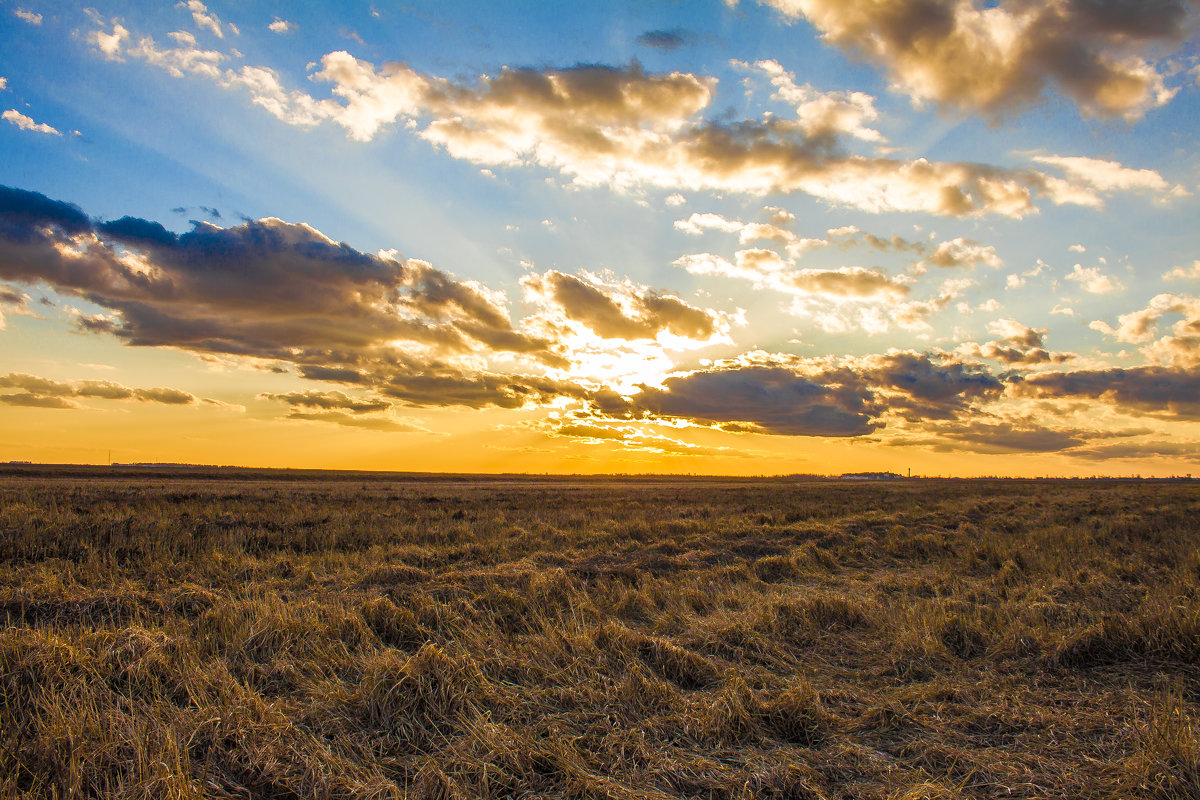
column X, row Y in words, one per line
column 3, row 84
column 1091, row 176
column 824, row 113
column 31, row 17
column 110, row 44
column 675, row 199
column 1180, row 348
column 1093, row 281
column 1183, row 273
column 27, row 124
column 281, row 26
column 203, row 18
column 178, row 61
column 964, row 252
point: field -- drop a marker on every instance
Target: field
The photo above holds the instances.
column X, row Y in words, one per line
column 224, row 634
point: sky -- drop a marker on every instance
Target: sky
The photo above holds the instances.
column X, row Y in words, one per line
column 753, row 237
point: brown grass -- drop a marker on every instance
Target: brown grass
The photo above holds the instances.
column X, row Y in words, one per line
column 178, row 634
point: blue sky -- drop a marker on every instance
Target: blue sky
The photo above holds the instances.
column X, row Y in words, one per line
column 652, row 237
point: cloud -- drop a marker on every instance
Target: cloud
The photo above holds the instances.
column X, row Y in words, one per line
column 790, row 396
column 621, row 311
column 1093, row 281
column 110, row 44
column 266, row 282
column 632, row 438
column 698, row 223
column 13, row 302
column 381, row 424
column 266, row 288
column 330, row 401
column 1183, row 273
column 1093, row 176
column 180, row 61
column 33, row 18
column 957, row 252
column 281, row 26
column 1180, row 348
column 3, row 84
column 851, row 282
column 46, row 393
column 665, row 40
column 26, row 123
column 960, row 252
column 30, row 400
column 1019, row 345
column 824, row 113
column 203, row 18
column 995, row 58
column 338, row 408
column 767, row 269
column 614, row 126
column 1158, row 391
column 769, row 399
column 995, row 437
column 1188, row 451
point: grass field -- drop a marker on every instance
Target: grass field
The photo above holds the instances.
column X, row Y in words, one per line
column 183, row 634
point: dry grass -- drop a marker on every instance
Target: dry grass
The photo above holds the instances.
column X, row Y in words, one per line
column 186, row 635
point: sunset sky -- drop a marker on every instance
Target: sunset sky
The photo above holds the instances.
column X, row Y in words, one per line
column 787, row 236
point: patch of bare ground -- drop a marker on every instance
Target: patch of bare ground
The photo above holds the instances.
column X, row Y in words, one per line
column 265, row 635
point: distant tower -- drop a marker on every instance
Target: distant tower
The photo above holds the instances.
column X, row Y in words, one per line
column 910, row 472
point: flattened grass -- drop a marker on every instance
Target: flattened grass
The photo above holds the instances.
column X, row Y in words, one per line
column 185, row 636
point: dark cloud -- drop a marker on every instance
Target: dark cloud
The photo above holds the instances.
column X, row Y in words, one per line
column 998, row 438
column 11, row 297
column 34, row 384
column 666, row 40
column 643, row 314
column 1021, row 347
column 920, row 388
column 796, row 397
column 266, row 289
column 30, row 400
column 333, row 374
column 46, row 393
column 134, row 231
column 211, row 212
column 774, row 399
column 330, row 401
column 1094, row 51
column 173, row 397
column 439, row 385
column 1160, row 391
column 1188, row 450
column 21, row 211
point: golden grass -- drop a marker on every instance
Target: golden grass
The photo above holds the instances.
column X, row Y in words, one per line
column 281, row 635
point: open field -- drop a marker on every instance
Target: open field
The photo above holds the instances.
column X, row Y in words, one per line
column 181, row 634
